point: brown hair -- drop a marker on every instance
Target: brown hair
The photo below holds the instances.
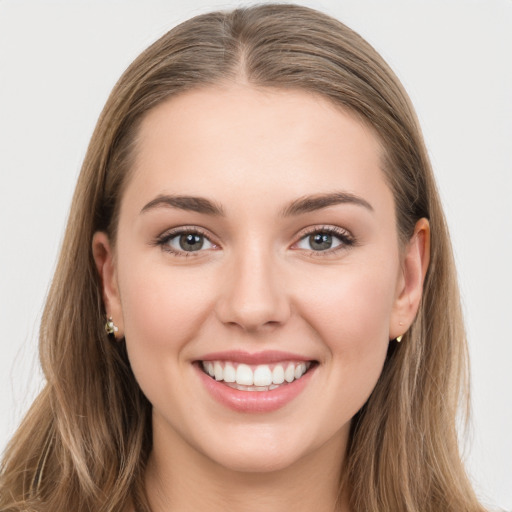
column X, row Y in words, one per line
column 85, row 441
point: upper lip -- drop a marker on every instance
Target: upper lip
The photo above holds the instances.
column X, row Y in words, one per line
column 264, row 357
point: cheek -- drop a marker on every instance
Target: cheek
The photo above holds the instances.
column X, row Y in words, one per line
column 163, row 310
column 351, row 304
column 350, row 314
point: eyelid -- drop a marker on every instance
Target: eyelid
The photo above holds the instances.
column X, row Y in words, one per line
column 163, row 239
column 346, row 238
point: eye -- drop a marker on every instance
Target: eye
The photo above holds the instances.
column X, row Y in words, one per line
column 325, row 239
column 185, row 241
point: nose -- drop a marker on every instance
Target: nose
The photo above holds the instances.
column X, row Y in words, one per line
column 253, row 295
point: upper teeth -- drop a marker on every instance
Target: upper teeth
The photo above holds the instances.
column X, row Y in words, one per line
column 261, row 375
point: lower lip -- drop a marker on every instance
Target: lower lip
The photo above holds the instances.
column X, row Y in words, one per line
column 254, row 401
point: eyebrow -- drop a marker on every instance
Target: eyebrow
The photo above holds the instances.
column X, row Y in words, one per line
column 318, row 201
column 189, row 203
column 302, row 205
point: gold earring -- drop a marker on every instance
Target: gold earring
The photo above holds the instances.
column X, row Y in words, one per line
column 110, row 326
column 399, row 338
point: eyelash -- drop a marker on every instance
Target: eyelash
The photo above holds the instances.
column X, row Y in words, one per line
column 164, row 239
column 346, row 239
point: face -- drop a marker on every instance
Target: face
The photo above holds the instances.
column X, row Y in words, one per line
column 256, row 275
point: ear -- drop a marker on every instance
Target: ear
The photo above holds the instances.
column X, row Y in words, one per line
column 414, row 267
column 105, row 263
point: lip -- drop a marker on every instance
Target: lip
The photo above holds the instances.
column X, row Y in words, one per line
column 254, row 401
column 266, row 357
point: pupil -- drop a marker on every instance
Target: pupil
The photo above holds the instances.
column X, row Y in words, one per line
column 191, row 242
column 320, row 241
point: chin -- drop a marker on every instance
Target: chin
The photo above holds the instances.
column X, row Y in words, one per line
column 255, row 461
column 265, row 451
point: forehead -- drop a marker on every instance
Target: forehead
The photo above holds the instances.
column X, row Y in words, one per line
column 230, row 138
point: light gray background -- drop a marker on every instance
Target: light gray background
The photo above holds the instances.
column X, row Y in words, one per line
column 58, row 62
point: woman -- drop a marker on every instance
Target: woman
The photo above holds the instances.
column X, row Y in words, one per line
column 255, row 305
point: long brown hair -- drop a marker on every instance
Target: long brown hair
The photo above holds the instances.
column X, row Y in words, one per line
column 85, row 442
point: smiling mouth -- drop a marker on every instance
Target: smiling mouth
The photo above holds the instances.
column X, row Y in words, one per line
column 262, row 377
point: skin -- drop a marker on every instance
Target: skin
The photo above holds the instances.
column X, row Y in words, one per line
column 257, row 285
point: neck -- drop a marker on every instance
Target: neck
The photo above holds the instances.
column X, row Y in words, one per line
column 182, row 479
